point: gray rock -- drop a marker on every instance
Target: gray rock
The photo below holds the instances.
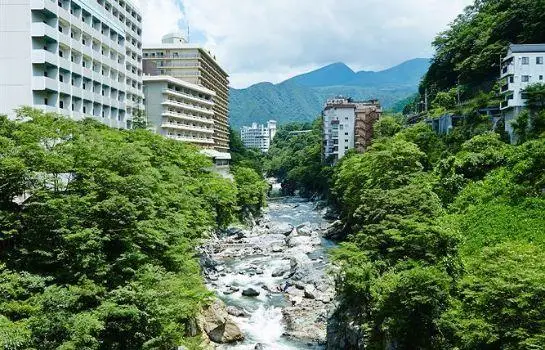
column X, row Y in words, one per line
column 259, row 346
column 277, row 249
column 279, row 272
column 280, row 228
column 234, row 311
column 216, row 323
column 250, row 292
column 310, row 291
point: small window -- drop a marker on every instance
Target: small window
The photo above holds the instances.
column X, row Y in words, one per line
column 45, row 74
column 525, row 78
column 84, row 109
column 61, row 78
column 539, row 60
column 511, row 79
column 61, row 104
column 73, row 107
column 541, row 77
column 46, row 101
column 525, row 60
column 346, row 141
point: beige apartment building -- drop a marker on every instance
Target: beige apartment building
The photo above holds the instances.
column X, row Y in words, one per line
column 177, row 58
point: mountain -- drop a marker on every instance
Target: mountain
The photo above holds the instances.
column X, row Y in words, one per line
column 302, row 97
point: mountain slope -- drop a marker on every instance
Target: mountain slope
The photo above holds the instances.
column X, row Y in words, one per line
column 333, row 74
column 302, row 97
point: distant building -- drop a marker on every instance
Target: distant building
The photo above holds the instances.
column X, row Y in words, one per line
column 259, row 136
column 348, row 124
column 523, row 66
column 177, row 58
column 77, row 58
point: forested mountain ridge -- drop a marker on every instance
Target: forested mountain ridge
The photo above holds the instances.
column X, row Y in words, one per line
column 301, row 98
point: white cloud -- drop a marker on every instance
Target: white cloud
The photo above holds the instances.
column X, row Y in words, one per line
column 271, row 40
column 159, row 18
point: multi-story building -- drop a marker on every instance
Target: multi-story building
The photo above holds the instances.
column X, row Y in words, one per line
column 177, row 58
column 348, row 124
column 74, row 57
column 523, row 66
column 258, row 135
column 180, row 110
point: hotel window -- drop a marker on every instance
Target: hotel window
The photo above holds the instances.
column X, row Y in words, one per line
column 61, row 104
column 541, row 77
column 539, row 60
column 525, row 60
column 525, row 78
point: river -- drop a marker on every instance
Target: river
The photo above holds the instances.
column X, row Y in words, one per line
column 291, row 309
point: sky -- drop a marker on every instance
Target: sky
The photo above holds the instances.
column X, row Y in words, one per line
column 272, row 40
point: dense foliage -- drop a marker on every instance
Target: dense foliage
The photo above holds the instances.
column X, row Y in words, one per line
column 444, row 245
column 468, row 53
column 97, row 234
column 295, row 159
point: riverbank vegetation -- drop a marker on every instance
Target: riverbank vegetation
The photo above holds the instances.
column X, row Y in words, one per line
column 98, row 229
column 295, row 159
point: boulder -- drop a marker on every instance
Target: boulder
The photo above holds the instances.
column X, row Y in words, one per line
column 310, row 291
column 277, row 249
column 250, row 292
column 304, row 229
column 279, row 272
column 280, row 228
column 235, row 311
column 259, row 346
column 216, row 323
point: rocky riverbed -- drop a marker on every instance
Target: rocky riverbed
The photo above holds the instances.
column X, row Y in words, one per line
column 273, row 279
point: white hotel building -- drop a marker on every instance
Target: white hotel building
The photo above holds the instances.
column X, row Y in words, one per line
column 180, row 110
column 79, row 58
column 523, row 66
column 258, row 135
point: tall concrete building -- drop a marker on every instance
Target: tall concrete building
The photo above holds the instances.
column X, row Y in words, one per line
column 79, row 58
column 258, row 135
column 523, row 66
column 180, row 110
column 348, row 124
column 188, row 62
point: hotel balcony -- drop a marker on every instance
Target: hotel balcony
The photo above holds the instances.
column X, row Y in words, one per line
column 188, row 107
column 178, row 126
column 198, row 140
column 187, row 117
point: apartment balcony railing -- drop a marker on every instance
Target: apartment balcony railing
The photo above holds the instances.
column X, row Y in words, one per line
column 188, row 117
column 199, row 140
column 179, row 126
column 184, row 95
column 189, row 107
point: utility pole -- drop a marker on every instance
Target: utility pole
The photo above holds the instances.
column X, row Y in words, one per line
column 426, row 100
column 458, row 90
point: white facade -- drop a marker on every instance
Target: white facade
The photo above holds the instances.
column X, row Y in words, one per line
column 259, row 136
column 523, row 66
column 180, row 110
column 79, row 58
column 338, row 117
